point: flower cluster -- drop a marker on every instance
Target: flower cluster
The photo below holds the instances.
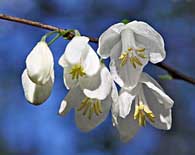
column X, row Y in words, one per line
column 92, row 86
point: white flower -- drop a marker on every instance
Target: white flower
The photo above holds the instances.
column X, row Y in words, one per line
column 91, row 106
column 38, row 77
column 80, row 62
column 130, row 47
column 92, row 89
column 146, row 102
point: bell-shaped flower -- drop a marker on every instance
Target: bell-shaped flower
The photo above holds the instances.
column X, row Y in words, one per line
column 91, row 106
column 130, row 47
column 146, row 102
column 80, row 62
column 38, row 77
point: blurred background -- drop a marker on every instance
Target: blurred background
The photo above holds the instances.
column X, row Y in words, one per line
column 29, row 130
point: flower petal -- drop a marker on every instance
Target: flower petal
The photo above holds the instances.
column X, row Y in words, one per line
column 68, row 81
column 158, row 102
column 126, row 76
column 71, row 100
column 62, row 61
column 39, row 63
column 85, row 124
column 127, row 127
column 91, row 82
column 75, row 49
column 150, row 38
column 91, row 62
column 34, row 93
column 115, row 107
column 163, row 118
column 156, row 89
column 108, row 39
column 64, row 108
column 104, row 88
column 114, row 64
column 114, row 92
column 125, row 101
column 128, row 39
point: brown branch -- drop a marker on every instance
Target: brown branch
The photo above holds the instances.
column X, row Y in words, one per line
column 29, row 22
column 173, row 72
column 40, row 25
column 176, row 74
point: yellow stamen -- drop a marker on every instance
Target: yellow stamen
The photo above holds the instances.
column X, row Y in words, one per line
column 141, row 112
column 132, row 61
column 149, row 114
column 90, row 113
column 129, row 49
column 77, row 71
column 99, row 105
column 89, row 106
column 141, row 55
column 95, row 109
column 83, row 104
column 151, row 117
column 136, row 60
column 133, row 55
column 140, row 50
column 123, row 57
column 142, row 119
column 136, row 113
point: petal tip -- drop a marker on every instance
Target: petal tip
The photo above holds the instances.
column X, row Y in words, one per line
column 62, row 108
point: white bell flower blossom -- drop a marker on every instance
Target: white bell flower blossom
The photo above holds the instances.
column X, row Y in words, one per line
column 91, row 106
column 146, row 102
column 80, row 62
column 130, row 47
column 38, row 77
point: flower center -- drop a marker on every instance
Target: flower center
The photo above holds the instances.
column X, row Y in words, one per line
column 76, row 71
column 141, row 112
column 134, row 56
column 90, row 106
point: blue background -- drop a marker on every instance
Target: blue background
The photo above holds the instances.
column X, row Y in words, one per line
column 26, row 129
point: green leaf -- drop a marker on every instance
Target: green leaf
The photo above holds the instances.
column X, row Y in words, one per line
column 165, row 77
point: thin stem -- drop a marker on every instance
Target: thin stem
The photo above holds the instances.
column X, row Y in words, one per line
column 54, row 39
column 48, row 35
column 172, row 71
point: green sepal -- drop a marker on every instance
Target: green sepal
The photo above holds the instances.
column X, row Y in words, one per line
column 125, row 21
